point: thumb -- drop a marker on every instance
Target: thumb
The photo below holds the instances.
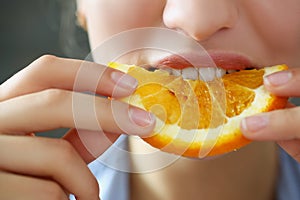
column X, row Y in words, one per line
column 273, row 126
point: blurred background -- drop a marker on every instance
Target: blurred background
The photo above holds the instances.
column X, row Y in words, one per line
column 33, row 28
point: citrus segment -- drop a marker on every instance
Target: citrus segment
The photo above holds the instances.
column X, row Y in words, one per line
column 197, row 118
column 155, row 94
column 238, row 98
column 248, row 78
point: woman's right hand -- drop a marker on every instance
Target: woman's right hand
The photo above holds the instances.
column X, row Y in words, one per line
column 41, row 97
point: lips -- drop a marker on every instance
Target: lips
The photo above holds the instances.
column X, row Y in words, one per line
column 203, row 66
column 226, row 61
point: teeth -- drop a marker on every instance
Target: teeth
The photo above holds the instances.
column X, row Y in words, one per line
column 176, row 72
column 220, row 72
column 169, row 70
column 204, row 74
column 207, row 74
column 190, row 73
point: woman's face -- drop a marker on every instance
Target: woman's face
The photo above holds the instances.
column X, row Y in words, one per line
column 263, row 32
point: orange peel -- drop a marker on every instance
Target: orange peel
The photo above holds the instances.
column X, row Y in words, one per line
column 197, row 118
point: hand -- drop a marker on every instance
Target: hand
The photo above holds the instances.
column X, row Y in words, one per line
column 41, row 97
column 283, row 125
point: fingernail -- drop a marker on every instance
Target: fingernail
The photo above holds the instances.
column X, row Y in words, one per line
column 254, row 123
column 278, row 78
column 124, row 80
column 141, row 117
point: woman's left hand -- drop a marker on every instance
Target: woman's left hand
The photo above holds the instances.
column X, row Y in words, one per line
column 283, row 125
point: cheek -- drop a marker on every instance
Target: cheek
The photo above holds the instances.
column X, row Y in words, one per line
column 278, row 25
column 283, row 32
column 287, row 38
column 108, row 17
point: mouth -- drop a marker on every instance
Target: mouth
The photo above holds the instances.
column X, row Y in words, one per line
column 204, row 67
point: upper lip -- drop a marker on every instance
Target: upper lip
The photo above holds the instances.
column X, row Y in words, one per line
column 224, row 60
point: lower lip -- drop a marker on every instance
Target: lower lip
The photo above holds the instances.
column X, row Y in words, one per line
column 227, row 61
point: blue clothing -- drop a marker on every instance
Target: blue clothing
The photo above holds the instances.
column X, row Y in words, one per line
column 111, row 169
column 114, row 184
column 288, row 187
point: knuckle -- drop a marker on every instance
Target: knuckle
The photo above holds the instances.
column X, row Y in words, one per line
column 53, row 191
column 66, row 152
column 52, row 96
column 46, row 59
column 60, row 154
column 41, row 65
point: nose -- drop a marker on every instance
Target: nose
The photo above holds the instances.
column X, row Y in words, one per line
column 200, row 19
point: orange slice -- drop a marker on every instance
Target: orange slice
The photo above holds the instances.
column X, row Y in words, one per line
column 197, row 118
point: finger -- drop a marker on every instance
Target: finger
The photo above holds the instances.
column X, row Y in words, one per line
column 90, row 144
column 48, row 158
column 20, row 187
column 69, row 74
column 54, row 108
column 284, row 83
column 292, row 147
column 275, row 126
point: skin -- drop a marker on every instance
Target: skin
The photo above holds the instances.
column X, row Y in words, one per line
column 45, row 98
column 59, row 166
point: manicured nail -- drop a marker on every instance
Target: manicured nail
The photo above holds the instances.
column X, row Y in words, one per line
column 254, row 123
column 123, row 80
column 278, row 78
column 141, row 117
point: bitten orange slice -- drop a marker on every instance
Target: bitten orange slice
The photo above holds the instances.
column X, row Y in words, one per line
column 197, row 118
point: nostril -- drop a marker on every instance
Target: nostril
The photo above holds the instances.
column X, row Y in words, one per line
column 200, row 19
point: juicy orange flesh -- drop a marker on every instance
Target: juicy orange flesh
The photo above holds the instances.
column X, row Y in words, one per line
column 205, row 104
column 238, row 98
column 247, row 78
column 161, row 101
column 171, row 98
